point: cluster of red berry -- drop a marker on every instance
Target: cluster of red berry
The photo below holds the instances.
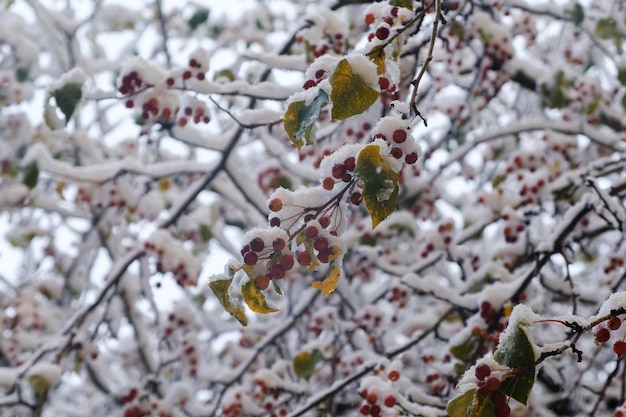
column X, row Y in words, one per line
column 489, row 384
column 602, row 334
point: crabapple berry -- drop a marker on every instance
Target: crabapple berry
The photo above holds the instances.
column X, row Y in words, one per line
column 262, row 282
column 250, row 258
column 619, row 347
column 257, row 244
column 278, row 243
column 382, row 33
column 601, row 335
column 399, row 135
column 276, row 204
column 311, row 232
column 482, row 371
column 614, row 323
column 390, row 401
column 304, row 258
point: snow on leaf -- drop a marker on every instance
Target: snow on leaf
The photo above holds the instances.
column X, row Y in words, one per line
column 255, row 299
column 380, row 183
column 350, row 94
column 42, row 376
column 516, row 351
column 235, row 309
column 299, row 119
column 329, row 283
column 67, row 97
column 304, row 363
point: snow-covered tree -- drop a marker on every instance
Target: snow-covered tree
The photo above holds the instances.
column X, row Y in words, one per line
column 279, row 208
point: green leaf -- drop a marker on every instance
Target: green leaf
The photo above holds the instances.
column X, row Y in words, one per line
column 31, row 175
column 621, row 76
column 350, row 95
column 402, row 3
column 21, row 74
column 67, row 97
column 235, row 309
column 255, row 299
column 329, row 283
column 198, row 18
column 578, row 14
column 517, row 353
column 304, row 363
column 465, row 351
column 380, row 183
column 299, row 119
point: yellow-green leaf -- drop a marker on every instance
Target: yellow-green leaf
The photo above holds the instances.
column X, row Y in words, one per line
column 304, row 363
column 497, row 180
column 470, row 404
column 235, row 309
column 350, row 94
column 517, row 353
column 402, row 3
column 299, row 119
column 255, row 299
column 380, row 183
column 329, row 283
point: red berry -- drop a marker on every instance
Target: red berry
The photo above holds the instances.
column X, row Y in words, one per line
column 394, row 11
column 365, row 410
column 257, row 244
column 287, row 261
column 369, row 19
column 311, row 232
column 350, row 164
column 319, row 73
column 277, row 271
column 275, row 222
column 502, row 410
column 309, row 84
column 601, row 335
column 324, row 221
column 393, row 375
column 320, row 243
column 355, row 198
column 396, row 152
column 245, row 249
column 200, row 76
column 338, row 171
column 130, row 104
column 390, row 401
column 372, row 398
column 382, row 33
column 250, row 258
column 262, row 282
column 328, row 183
column 170, row 81
column 278, row 243
column 324, row 256
column 399, row 135
column 492, row 384
column 614, row 323
column 193, row 63
column 383, row 82
column 497, row 398
column 276, row 204
column 482, row 371
column 186, row 75
column 304, row 258
column 619, row 347
column 411, row 158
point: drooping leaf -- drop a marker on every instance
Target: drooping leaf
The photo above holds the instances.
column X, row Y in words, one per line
column 304, row 363
column 350, row 94
column 67, row 97
column 255, row 299
column 329, row 283
column 299, row 119
column 497, row 180
column 380, row 183
column 377, row 56
column 235, row 309
column 606, row 28
column 31, row 175
column 517, row 353
column 408, row 4
column 198, row 18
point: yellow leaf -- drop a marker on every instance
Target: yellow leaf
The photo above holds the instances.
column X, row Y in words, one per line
column 220, row 288
column 304, row 363
column 164, row 184
column 255, row 299
column 380, row 183
column 350, row 94
column 329, row 283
